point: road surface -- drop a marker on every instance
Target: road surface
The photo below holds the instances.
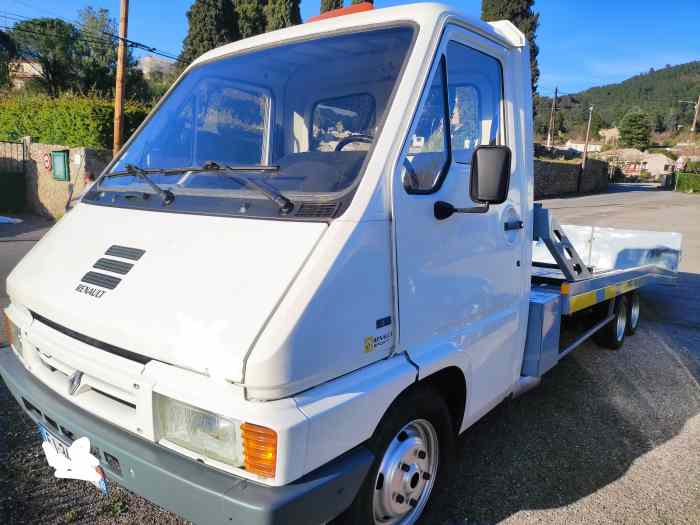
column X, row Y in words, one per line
column 609, row 437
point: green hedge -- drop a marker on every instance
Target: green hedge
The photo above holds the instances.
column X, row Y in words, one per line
column 12, row 192
column 688, row 182
column 69, row 120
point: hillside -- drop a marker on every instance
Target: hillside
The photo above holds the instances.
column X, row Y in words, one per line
column 657, row 92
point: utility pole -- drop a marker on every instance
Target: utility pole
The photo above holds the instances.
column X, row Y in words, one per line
column 551, row 118
column 696, row 116
column 588, row 133
column 119, row 88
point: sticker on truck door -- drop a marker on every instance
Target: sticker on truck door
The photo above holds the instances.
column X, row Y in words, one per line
column 381, row 340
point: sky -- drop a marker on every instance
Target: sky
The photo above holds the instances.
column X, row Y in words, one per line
column 582, row 44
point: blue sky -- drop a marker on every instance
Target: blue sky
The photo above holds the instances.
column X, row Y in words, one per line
column 582, row 44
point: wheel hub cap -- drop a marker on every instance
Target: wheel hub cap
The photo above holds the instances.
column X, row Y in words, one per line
column 406, row 474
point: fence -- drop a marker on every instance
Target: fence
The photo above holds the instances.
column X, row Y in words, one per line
column 13, row 160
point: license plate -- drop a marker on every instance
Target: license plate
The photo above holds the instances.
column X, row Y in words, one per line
column 73, row 461
column 56, row 443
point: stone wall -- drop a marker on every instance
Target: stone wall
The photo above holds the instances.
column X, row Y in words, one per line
column 49, row 197
column 553, row 179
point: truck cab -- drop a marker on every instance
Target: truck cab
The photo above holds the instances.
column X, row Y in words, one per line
column 293, row 287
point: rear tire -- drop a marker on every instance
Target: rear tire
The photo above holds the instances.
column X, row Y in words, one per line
column 414, row 446
column 612, row 335
column 633, row 312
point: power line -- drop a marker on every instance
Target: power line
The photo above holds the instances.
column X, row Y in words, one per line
column 111, row 37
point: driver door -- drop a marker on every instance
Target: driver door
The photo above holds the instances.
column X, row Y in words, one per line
column 462, row 290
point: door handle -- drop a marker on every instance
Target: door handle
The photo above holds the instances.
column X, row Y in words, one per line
column 513, row 225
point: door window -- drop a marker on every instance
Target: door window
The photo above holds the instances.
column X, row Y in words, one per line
column 475, row 89
column 428, row 154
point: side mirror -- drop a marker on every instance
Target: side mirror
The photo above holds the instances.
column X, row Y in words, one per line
column 490, row 176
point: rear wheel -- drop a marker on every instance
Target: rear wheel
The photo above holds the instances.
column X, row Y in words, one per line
column 414, row 446
column 612, row 335
column 633, row 313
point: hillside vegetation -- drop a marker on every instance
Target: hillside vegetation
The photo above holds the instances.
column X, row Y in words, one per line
column 656, row 92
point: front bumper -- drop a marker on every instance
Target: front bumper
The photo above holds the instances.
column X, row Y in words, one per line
column 192, row 490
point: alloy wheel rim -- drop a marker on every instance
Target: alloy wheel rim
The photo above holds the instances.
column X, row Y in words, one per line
column 634, row 312
column 621, row 324
column 406, row 475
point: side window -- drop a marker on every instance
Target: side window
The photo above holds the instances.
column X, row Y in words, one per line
column 338, row 118
column 428, row 154
column 475, row 89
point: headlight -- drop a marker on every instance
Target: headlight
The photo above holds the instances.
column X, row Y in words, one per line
column 198, row 430
column 12, row 334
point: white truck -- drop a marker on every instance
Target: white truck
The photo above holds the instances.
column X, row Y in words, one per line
column 315, row 263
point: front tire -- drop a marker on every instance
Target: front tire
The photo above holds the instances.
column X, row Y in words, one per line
column 414, row 445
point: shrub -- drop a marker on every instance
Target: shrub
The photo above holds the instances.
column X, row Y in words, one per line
column 693, row 167
column 69, row 120
column 689, row 182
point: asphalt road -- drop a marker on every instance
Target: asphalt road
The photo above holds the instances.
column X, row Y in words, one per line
column 609, row 437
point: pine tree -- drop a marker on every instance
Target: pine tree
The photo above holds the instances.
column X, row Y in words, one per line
column 521, row 14
column 329, row 5
column 635, row 129
column 212, row 23
column 251, row 17
column 282, row 13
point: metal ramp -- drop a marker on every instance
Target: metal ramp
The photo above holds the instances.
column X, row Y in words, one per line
column 548, row 230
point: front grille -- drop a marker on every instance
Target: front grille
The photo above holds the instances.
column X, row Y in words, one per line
column 115, row 350
column 112, row 265
column 101, row 279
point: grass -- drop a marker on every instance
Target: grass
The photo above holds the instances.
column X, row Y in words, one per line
column 688, row 182
column 115, row 506
column 71, row 516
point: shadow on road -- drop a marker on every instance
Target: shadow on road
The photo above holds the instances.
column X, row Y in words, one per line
column 592, row 417
column 32, row 228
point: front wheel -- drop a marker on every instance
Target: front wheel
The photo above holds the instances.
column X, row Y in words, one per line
column 413, row 446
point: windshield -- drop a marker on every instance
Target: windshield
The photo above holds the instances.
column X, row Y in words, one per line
column 309, row 109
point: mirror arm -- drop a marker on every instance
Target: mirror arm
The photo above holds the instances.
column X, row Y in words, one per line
column 444, row 210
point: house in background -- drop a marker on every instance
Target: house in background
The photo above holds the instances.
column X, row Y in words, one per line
column 633, row 162
column 610, row 136
column 22, row 71
column 579, row 146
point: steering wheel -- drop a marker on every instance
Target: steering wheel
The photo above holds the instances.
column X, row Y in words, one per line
column 365, row 139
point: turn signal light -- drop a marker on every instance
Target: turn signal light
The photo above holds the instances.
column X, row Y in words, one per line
column 259, row 449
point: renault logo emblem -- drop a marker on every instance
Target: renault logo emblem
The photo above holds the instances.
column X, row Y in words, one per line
column 74, row 382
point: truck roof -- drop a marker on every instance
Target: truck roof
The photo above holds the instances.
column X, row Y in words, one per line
column 425, row 15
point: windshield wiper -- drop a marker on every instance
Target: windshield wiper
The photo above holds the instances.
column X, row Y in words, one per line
column 233, row 173
column 167, row 195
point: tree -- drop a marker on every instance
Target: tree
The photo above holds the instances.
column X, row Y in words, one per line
column 521, row 14
column 212, row 23
column 329, row 5
column 53, row 44
column 635, row 129
column 8, row 51
column 362, row 1
column 282, row 13
column 251, row 17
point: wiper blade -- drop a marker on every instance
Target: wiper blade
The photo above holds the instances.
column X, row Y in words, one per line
column 167, row 195
column 233, row 173
column 164, row 171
